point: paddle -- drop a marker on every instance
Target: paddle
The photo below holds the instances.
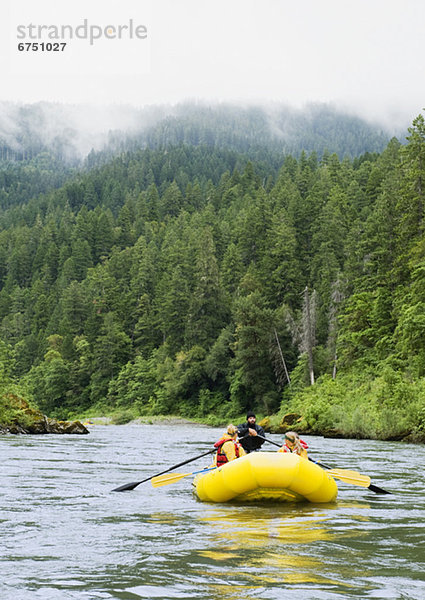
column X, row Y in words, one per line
column 160, row 480
column 345, row 475
column 131, row 486
column 371, row 486
column 167, row 479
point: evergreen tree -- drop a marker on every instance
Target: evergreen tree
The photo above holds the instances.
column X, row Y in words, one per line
column 207, row 312
column 254, row 370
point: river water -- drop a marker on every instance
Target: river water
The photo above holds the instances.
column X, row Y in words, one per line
column 65, row 535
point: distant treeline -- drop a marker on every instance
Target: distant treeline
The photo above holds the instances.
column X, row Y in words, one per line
column 28, row 130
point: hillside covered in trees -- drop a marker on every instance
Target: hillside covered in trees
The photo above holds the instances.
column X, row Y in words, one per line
column 200, row 280
column 70, row 133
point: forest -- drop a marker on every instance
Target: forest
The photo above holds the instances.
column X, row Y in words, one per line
column 70, row 132
column 201, row 280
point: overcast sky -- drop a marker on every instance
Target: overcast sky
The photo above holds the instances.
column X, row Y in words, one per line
column 364, row 55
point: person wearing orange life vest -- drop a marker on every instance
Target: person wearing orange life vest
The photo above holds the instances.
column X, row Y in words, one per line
column 228, row 448
column 294, row 444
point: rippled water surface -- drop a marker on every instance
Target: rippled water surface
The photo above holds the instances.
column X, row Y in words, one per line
column 65, row 535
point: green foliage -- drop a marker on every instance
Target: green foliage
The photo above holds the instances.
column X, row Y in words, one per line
column 358, row 405
column 135, row 386
column 7, row 363
column 162, row 281
column 181, row 381
column 14, row 410
column 122, row 417
column 254, row 326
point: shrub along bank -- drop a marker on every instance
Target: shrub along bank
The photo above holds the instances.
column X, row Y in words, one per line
column 388, row 407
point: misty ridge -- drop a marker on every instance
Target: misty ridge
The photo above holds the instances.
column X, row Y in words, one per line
column 73, row 132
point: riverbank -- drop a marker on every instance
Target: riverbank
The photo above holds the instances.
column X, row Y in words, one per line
column 276, row 424
column 324, row 410
column 390, row 407
column 153, row 420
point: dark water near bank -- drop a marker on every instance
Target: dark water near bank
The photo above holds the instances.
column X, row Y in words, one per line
column 64, row 535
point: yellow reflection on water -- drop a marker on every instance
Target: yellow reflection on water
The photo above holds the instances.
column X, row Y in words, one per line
column 266, row 546
column 216, row 555
column 166, row 518
column 233, row 592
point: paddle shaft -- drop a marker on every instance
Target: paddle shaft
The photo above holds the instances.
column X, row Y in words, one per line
column 371, row 487
column 160, row 481
column 131, row 486
column 270, row 441
column 177, row 476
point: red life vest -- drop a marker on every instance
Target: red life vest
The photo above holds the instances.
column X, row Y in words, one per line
column 221, row 456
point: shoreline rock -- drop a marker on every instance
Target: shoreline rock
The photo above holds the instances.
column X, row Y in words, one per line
column 288, row 421
column 46, row 426
column 26, row 420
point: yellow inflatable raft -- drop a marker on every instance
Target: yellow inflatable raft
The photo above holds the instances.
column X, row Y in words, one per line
column 276, row 476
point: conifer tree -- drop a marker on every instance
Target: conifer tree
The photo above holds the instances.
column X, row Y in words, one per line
column 206, row 315
column 254, row 328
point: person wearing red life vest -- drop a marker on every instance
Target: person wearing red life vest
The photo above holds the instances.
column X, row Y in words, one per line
column 294, row 444
column 228, row 448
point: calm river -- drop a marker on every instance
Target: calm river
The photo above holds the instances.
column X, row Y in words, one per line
column 65, row 535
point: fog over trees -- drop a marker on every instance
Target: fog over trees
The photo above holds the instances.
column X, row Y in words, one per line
column 70, row 132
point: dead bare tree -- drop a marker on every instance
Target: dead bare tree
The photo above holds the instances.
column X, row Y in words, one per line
column 303, row 329
column 280, row 367
column 309, row 329
column 337, row 296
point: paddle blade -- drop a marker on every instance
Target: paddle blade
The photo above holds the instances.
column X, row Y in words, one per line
column 348, row 473
column 350, row 477
column 378, row 490
column 127, row 486
column 167, row 479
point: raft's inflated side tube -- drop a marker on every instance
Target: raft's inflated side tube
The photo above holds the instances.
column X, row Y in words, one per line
column 267, row 476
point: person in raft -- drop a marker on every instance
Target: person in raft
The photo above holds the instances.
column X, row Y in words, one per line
column 294, row 444
column 228, row 448
column 250, row 431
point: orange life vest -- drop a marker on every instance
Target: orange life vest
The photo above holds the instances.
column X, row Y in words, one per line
column 221, row 456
